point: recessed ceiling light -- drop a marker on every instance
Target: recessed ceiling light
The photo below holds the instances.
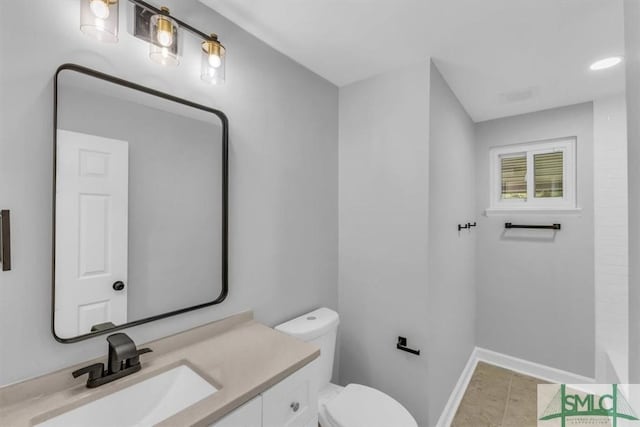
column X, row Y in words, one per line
column 606, row 63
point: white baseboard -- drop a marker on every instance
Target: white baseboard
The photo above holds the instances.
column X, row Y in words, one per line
column 446, row 418
column 522, row 366
column 532, row 369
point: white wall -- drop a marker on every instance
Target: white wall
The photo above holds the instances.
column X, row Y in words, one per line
column 611, row 239
column 383, row 219
column 632, row 59
column 283, row 173
column 536, row 293
column 451, row 302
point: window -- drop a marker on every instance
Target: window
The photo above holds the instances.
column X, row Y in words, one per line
column 534, row 176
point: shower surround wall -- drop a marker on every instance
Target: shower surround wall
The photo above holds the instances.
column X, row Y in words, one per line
column 536, row 291
column 611, row 239
column 398, row 227
column 283, row 173
column 632, row 60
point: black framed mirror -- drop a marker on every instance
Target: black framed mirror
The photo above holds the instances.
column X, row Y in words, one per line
column 140, row 205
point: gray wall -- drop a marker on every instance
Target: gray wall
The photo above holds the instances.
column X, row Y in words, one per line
column 536, row 295
column 632, row 58
column 451, row 302
column 175, row 188
column 383, row 211
column 283, row 183
column 404, row 267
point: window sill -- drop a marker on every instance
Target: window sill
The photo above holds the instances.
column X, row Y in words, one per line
column 532, row 211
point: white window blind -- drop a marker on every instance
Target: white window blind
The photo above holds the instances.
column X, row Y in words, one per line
column 549, row 174
column 514, row 177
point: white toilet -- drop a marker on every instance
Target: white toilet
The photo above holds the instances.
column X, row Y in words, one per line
column 351, row 406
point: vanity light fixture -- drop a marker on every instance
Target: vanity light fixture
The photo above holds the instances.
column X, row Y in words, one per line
column 163, row 48
column 213, row 60
column 99, row 19
column 606, row 63
column 156, row 26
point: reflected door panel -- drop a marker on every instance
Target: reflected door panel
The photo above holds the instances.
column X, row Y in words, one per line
column 91, row 231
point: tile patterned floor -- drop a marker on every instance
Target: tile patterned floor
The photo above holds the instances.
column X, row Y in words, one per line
column 497, row 397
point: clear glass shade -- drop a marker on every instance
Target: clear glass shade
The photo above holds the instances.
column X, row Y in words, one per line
column 213, row 62
column 163, row 55
column 99, row 19
column 164, row 35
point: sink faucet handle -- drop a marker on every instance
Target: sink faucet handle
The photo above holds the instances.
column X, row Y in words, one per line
column 135, row 360
column 95, row 371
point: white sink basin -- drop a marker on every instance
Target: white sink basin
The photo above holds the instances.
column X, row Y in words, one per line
column 143, row 404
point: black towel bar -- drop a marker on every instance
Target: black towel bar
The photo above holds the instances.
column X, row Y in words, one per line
column 509, row 225
column 5, row 240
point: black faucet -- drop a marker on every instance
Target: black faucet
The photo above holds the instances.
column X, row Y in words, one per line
column 124, row 359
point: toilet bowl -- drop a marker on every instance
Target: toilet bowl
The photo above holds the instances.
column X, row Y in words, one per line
column 354, row 405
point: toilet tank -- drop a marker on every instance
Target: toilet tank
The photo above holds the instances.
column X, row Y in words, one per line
column 318, row 327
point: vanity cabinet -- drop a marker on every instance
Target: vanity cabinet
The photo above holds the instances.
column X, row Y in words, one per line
column 293, row 402
column 247, row 415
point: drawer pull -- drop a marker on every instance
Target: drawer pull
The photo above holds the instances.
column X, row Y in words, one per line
column 295, row 406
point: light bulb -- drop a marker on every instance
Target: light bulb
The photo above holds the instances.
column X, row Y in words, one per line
column 165, row 38
column 214, row 60
column 164, row 28
column 100, row 8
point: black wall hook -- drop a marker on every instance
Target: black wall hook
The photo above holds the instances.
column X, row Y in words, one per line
column 467, row 226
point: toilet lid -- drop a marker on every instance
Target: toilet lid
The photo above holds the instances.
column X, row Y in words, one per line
column 362, row 406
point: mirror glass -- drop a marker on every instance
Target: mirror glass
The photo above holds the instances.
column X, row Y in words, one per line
column 140, row 205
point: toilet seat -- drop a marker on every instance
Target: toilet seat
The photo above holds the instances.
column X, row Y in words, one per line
column 361, row 406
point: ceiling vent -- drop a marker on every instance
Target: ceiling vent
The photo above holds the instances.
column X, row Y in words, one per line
column 518, row 95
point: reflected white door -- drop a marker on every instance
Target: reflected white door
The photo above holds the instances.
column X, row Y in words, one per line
column 92, row 176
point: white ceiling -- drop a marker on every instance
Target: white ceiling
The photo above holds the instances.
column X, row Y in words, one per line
column 501, row 57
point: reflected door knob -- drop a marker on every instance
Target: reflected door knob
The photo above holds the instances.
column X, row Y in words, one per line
column 118, row 286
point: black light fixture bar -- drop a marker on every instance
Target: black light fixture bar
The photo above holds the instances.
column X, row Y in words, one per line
column 181, row 24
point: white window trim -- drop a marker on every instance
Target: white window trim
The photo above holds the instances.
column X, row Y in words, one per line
column 532, row 211
column 567, row 204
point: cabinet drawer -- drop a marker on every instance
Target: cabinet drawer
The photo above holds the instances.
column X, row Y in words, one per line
column 293, row 402
column 247, row 415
